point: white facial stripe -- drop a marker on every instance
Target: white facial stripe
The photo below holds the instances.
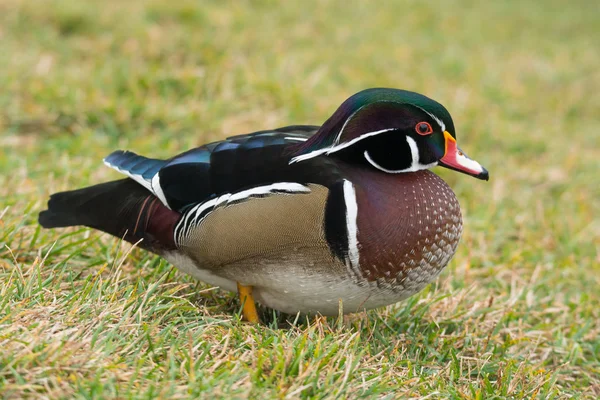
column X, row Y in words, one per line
column 351, row 224
column 336, row 146
column 414, row 166
column 333, row 149
column 307, row 156
column 358, row 139
column 299, row 139
column 339, row 135
column 379, row 167
column 439, row 121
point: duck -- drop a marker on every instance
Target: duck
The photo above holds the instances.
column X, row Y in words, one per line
column 312, row 220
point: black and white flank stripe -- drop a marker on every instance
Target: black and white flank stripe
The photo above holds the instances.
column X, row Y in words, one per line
column 194, row 216
column 341, row 225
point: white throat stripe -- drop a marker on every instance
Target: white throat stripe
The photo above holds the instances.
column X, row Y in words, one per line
column 414, row 151
column 415, row 164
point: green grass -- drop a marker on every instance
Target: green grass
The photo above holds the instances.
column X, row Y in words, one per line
column 516, row 314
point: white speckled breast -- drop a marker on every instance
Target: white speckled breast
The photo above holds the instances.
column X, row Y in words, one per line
column 409, row 227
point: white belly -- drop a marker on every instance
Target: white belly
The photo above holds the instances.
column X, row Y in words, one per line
column 292, row 288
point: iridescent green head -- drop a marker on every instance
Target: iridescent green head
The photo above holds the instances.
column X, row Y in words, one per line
column 392, row 130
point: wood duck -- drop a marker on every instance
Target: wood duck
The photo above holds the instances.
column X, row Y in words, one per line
column 303, row 219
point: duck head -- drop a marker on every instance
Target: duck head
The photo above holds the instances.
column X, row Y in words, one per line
column 392, row 130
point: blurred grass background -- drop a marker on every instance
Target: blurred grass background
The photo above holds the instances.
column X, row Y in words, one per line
column 515, row 315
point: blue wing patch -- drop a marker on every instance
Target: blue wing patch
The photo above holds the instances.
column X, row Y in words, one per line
column 139, row 168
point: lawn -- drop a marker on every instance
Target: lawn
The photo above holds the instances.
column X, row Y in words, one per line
column 517, row 312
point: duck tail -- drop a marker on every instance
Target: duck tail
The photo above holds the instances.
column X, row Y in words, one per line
column 122, row 208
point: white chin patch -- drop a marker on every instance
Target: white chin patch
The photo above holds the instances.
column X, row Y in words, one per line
column 415, row 164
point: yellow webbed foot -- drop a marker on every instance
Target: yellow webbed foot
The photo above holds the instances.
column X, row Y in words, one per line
column 248, row 307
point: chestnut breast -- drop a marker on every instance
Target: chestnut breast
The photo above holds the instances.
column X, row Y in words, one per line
column 409, row 226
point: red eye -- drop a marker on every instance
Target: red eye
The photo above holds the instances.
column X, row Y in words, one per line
column 423, row 128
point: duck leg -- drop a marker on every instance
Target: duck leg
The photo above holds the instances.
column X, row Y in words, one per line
column 248, row 307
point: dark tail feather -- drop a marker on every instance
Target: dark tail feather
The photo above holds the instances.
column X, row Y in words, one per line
column 122, row 208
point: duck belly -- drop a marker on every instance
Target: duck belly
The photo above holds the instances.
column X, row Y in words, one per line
column 295, row 284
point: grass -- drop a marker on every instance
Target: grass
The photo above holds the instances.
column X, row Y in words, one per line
column 515, row 315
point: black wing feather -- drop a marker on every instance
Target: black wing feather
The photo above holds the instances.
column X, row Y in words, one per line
column 242, row 162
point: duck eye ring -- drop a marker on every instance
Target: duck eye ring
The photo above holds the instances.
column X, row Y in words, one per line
column 423, row 128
